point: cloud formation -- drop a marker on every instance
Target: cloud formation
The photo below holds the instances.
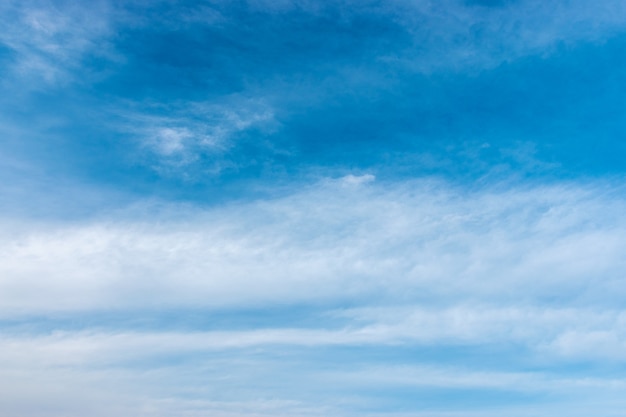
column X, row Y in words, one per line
column 336, row 240
column 301, row 208
column 530, row 272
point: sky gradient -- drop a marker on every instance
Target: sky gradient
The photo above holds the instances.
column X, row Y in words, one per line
column 303, row 209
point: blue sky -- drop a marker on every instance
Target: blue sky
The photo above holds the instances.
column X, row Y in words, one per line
column 298, row 208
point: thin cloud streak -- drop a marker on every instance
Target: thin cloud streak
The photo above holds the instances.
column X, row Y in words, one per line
column 563, row 335
column 135, row 371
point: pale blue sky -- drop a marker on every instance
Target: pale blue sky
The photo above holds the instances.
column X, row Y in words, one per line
column 299, row 208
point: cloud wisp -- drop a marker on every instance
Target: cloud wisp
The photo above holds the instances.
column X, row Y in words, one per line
column 186, row 133
column 50, row 40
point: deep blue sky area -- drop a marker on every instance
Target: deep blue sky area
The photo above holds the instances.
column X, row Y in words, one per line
column 297, row 208
column 334, row 87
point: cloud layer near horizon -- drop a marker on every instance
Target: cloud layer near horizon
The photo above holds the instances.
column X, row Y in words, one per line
column 529, row 272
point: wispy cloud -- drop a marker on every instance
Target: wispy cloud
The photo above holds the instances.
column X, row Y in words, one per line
column 464, row 35
column 50, row 39
column 195, row 80
column 560, row 335
column 135, row 370
column 461, row 35
column 181, row 134
column 418, row 241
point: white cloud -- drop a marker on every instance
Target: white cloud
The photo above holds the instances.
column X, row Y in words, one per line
column 557, row 334
column 169, row 140
column 191, row 129
column 417, row 241
column 536, row 270
column 159, row 374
